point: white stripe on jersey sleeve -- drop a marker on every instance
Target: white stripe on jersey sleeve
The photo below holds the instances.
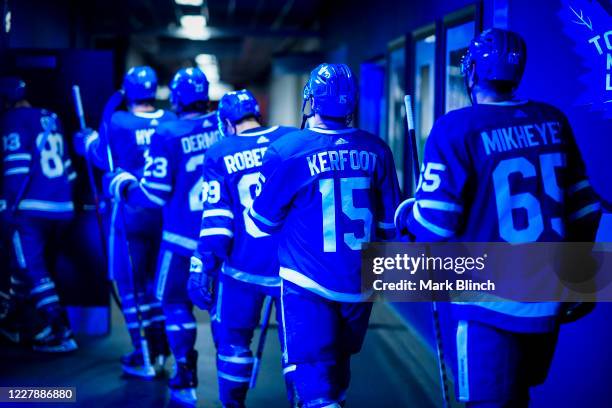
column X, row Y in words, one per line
column 443, row 232
column 218, row 212
column 156, row 186
column 18, row 156
column 16, row 170
column 206, row 232
column 152, row 197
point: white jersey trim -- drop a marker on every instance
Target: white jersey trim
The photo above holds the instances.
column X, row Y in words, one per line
column 17, row 170
column 462, row 360
column 332, row 131
column 305, row 282
column 150, row 115
column 179, row 240
column 206, row 232
column 218, row 212
column 18, row 156
column 269, row 281
column 261, row 132
column 518, row 309
column 49, row 206
column 504, row 103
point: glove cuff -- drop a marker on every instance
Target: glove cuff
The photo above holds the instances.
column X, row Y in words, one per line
column 119, row 183
column 207, row 263
column 196, row 265
column 406, row 205
column 91, row 138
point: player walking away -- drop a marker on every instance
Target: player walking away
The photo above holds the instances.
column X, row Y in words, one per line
column 228, row 236
column 36, row 183
column 327, row 190
column 172, row 179
column 502, row 170
column 129, row 136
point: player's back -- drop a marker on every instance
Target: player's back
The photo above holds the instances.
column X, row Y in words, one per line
column 130, row 136
column 36, row 168
column 520, row 168
column 340, row 191
column 233, row 167
column 179, row 152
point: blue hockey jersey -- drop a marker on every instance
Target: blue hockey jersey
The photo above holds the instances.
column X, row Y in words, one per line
column 172, row 177
column 231, row 174
column 504, row 172
column 34, row 155
column 129, row 136
column 327, row 192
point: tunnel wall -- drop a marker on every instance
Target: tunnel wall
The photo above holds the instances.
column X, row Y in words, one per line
column 554, row 74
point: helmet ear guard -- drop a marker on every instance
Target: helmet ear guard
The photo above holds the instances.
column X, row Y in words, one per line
column 308, row 97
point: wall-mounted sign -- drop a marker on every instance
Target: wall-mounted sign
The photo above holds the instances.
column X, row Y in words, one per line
column 589, row 24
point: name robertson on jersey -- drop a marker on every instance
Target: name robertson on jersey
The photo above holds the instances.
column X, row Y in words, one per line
column 201, row 141
column 339, row 160
column 520, row 137
column 246, row 159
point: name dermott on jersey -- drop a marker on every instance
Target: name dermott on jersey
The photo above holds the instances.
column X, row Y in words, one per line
column 198, row 142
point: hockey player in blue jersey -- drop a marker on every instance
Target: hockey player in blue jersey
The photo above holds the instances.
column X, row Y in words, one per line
column 326, row 191
column 172, row 180
column 228, row 236
column 501, row 170
column 129, row 136
column 36, row 184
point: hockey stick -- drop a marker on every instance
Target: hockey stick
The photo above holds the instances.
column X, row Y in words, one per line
column 111, row 106
column 78, row 105
column 414, row 157
column 265, row 324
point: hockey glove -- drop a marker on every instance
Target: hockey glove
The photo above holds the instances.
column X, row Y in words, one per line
column 201, row 283
column 116, row 183
column 401, row 217
column 83, row 139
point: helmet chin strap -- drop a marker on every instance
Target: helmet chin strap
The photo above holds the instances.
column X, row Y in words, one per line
column 305, row 116
column 470, row 91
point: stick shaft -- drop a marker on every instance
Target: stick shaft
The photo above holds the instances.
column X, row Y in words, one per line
column 265, row 324
column 414, row 157
column 78, row 105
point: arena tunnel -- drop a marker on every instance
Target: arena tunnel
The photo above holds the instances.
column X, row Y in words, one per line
column 270, row 47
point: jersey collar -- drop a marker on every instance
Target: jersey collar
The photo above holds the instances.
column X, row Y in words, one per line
column 332, row 131
column 259, row 133
column 504, row 103
column 149, row 115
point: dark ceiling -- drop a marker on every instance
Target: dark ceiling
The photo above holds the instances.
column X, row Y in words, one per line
column 244, row 34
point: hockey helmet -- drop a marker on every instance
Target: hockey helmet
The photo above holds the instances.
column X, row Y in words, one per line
column 497, row 55
column 235, row 106
column 140, row 83
column 189, row 85
column 332, row 89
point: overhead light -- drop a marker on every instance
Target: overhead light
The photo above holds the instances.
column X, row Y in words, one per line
column 211, row 72
column 430, row 40
column 205, row 59
column 162, row 93
column 217, row 89
column 189, row 2
column 194, row 27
